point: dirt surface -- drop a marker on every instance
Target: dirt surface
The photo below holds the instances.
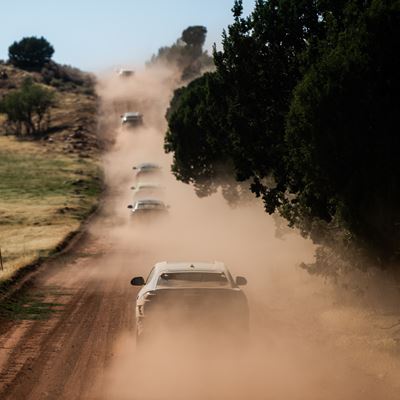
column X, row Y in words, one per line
column 59, row 355
column 70, row 333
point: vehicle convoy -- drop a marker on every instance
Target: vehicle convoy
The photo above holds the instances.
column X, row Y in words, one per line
column 148, row 206
column 132, row 118
column 194, row 295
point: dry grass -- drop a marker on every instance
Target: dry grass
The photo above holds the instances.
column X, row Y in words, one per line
column 48, row 186
column 45, row 194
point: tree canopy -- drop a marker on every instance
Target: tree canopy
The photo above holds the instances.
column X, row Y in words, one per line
column 194, row 36
column 186, row 53
column 303, row 104
column 28, row 108
column 30, row 52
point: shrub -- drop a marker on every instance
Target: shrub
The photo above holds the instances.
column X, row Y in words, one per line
column 28, row 109
column 65, row 76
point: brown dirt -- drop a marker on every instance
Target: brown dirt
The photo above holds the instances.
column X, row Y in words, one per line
column 60, row 355
column 75, row 352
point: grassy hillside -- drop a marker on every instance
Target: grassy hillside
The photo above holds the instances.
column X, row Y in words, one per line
column 49, row 185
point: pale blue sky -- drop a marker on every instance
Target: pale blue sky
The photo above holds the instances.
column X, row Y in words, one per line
column 97, row 34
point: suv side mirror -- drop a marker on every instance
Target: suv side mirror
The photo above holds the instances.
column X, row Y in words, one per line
column 241, row 281
column 137, row 281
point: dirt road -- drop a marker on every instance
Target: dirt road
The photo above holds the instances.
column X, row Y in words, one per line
column 69, row 335
column 67, row 340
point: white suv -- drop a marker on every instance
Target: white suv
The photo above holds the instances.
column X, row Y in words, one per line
column 195, row 294
column 126, row 73
column 132, row 118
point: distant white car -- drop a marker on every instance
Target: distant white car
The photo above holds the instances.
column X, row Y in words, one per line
column 177, row 293
column 146, row 168
column 147, row 189
column 125, row 73
column 132, row 118
column 148, row 206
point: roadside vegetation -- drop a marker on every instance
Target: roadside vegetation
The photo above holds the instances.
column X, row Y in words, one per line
column 186, row 54
column 28, row 109
column 302, row 110
column 50, row 175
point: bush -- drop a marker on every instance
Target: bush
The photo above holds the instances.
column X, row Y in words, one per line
column 30, row 53
column 28, row 109
column 66, row 77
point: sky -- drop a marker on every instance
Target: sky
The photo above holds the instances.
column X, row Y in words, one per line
column 98, row 34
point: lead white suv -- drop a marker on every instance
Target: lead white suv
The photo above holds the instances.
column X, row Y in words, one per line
column 194, row 294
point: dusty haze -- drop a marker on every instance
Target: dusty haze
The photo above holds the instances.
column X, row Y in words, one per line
column 304, row 342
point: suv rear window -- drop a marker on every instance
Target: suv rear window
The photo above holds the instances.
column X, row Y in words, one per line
column 192, row 279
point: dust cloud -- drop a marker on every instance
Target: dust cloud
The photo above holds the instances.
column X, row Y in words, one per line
column 302, row 344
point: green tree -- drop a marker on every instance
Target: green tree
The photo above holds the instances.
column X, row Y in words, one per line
column 257, row 69
column 186, row 53
column 196, row 135
column 341, row 133
column 195, row 36
column 28, row 109
column 303, row 103
column 30, row 53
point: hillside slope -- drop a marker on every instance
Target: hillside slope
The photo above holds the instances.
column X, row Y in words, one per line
column 48, row 185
